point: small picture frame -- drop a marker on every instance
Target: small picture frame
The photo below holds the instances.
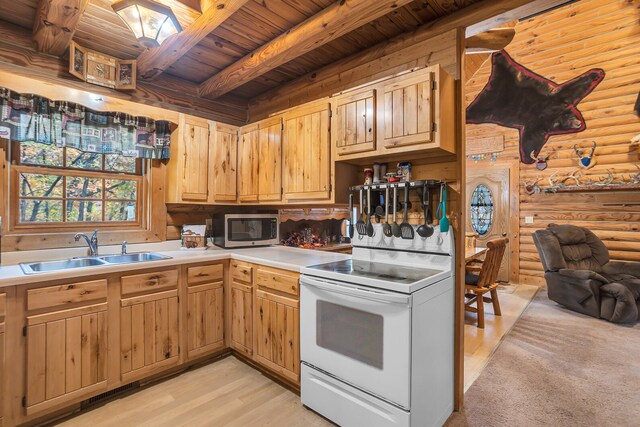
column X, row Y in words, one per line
column 101, row 69
column 77, row 61
column 126, row 74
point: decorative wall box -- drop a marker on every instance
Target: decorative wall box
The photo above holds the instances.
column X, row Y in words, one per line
column 100, row 69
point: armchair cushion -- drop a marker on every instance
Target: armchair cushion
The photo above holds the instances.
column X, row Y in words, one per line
column 619, row 302
column 582, row 275
column 581, row 249
column 618, row 270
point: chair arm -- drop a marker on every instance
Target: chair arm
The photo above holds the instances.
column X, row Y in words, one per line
column 625, row 309
column 582, row 275
column 620, row 267
column 473, row 267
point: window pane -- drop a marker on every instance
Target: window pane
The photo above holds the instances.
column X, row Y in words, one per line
column 33, row 153
column 117, row 163
column 82, row 187
column 40, row 210
column 84, row 210
column 80, row 160
column 120, row 211
column 39, row 185
column 122, row 189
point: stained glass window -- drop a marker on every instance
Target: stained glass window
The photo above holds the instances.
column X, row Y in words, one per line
column 481, row 209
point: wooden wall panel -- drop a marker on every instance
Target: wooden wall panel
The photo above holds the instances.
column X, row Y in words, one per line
column 561, row 45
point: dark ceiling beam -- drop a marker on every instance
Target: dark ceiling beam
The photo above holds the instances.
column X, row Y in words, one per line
column 154, row 61
column 18, row 56
column 333, row 22
column 55, row 23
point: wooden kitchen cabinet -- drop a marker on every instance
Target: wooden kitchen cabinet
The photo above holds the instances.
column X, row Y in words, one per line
column 224, row 158
column 259, row 161
column 415, row 112
column 241, row 307
column 353, row 122
column 306, row 153
column 149, row 319
column 248, row 158
column 194, row 156
column 205, row 309
column 277, row 322
column 203, row 164
column 66, row 343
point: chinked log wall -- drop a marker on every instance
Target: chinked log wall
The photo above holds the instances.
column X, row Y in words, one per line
column 561, row 45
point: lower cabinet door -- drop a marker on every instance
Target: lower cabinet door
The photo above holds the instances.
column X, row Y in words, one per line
column 205, row 319
column 277, row 334
column 242, row 318
column 66, row 357
column 148, row 334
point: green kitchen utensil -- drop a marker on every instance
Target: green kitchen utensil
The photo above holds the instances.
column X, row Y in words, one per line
column 444, row 221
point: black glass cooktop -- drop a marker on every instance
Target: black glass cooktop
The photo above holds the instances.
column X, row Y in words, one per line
column 377, row 270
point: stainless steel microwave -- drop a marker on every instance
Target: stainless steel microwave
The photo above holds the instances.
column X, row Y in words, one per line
column 246, row 230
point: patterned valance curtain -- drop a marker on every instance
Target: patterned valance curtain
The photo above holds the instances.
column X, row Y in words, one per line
column 33, row 118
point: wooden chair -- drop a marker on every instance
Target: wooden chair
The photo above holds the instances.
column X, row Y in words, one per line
column 481, row 279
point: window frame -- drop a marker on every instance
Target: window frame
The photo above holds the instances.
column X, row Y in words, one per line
column 16, row 168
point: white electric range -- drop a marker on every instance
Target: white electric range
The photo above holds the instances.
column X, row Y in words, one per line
column 377, row 333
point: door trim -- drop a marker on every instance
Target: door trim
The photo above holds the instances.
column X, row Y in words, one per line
column 514, row 209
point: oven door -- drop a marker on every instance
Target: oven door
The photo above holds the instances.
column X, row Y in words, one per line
column 359, row 335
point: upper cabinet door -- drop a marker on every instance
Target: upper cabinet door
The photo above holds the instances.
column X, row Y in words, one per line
column 270, row 160
column 224, row 153
column 405, row 110
column 306, row 153
column 353, row 123
column 194, row 144
column 248, row 158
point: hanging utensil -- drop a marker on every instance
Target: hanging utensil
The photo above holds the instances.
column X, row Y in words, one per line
column 395, row 228
column 379, row 211
column 361, row 227
column 425, row 230
column 369, row 228
column 350, row 229
column 386, row 228
column 444, row 221
column 405, row 228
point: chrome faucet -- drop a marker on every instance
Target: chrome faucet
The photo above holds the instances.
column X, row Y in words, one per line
column 91, row 242
column 124, row 248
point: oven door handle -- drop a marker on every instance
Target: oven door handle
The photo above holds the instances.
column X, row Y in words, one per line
column 374, row 295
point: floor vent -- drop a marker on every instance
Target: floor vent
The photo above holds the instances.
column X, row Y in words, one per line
column 95, row 400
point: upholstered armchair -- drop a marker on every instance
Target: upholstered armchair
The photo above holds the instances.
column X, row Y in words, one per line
column 581, row 277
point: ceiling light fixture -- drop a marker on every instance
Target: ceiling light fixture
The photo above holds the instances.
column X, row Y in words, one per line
column 151, row 22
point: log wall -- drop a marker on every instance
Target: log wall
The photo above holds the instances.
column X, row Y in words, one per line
column 561, row 45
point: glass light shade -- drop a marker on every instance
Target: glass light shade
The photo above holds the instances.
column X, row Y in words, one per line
column 151, row 22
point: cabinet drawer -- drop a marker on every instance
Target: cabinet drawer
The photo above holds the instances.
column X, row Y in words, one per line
column 241, row 272
column 149, row 282
column 278, row 280
column 205, row 273
column 59, row 295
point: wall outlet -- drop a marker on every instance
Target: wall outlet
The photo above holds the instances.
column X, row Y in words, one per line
column 528, row 220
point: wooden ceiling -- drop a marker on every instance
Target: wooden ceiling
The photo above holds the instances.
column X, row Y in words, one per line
column 249, row 25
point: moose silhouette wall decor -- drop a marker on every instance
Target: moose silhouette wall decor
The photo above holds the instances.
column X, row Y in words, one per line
column 537, row 107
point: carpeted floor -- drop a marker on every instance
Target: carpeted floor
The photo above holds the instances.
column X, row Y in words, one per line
column 558, row 368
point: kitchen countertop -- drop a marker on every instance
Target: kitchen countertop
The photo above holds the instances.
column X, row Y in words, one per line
column 292, row 259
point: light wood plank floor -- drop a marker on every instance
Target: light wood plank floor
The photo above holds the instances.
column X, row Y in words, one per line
column 230, row 393
column 223, row 393
column 480, row 344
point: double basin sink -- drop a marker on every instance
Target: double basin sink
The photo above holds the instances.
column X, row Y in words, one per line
column 71, row 263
